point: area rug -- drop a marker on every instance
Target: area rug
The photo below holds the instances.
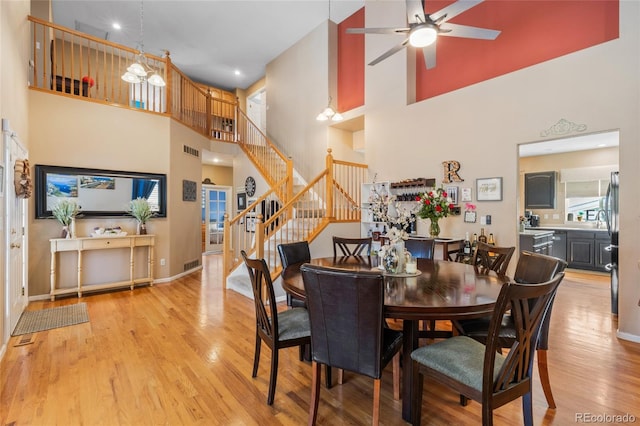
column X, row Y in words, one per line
column 46, row 319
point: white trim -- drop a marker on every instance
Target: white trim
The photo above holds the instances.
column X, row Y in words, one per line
column 628, row 336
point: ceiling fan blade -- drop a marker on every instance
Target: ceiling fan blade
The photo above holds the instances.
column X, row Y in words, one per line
column 429, row 53
column 415, row 11
column 389, row 52
column 377, row 30
column 466, row 31
column 454, row 9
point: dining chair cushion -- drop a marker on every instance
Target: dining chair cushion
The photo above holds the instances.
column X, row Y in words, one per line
column 293, row 324
column 460, row 358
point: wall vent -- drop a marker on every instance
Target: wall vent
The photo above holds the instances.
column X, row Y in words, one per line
column 191, row 151
column 191, row 265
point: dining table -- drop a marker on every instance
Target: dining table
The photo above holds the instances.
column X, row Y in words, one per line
column 439, row 290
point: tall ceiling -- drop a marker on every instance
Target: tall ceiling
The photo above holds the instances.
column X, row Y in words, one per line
column 209, row 40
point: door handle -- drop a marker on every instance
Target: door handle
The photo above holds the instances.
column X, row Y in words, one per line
column 608, row 266
column 15, row 245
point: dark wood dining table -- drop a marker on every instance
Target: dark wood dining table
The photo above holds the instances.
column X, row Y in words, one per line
column 441, row 290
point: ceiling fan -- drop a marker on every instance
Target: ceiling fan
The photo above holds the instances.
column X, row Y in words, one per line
column 424, row 29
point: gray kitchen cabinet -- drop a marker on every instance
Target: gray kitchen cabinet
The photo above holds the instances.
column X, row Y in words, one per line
column 586, row 250
column 537, row 241
column 540, row 190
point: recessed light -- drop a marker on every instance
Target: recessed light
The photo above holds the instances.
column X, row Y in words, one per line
column 602, row 145
column 116, row 26
column 216, row 160
column 237, row 72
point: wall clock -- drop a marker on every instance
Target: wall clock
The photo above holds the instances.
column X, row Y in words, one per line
column 250, row 186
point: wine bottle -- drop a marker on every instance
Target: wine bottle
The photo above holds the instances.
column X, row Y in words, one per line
column 491, row 241
column 467, row 245
column 482, row 238
column 474, row 242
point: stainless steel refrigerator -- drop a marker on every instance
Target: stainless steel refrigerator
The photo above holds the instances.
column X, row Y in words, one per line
column 611, row 209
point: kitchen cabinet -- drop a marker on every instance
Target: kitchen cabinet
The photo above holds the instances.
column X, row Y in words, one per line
column 559, row 244
column 586, row 250
column 537, row 241
column 540, row 190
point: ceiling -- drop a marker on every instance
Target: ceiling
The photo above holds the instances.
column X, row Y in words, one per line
column 209, row 40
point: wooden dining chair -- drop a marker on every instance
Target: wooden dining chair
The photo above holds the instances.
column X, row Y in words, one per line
column 492, row 258
column 347, row 328
column 478, row 371
column 278, row 330
column 291, row 253
column 532, row 268
column 352, row 247
column 422, row 248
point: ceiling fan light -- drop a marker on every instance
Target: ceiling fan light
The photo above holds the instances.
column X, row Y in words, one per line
column 156, row 80
column 322, row 117
column 423, row 35
column 328, row 111
column 130, row 77
column 137, row 69
column 337, row 117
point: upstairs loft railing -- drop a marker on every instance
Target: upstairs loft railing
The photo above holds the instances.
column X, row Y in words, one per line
column 79, row 65
column 333, row 196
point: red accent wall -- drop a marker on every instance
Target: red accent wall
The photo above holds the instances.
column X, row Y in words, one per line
column 533, row 31
column 351, row 63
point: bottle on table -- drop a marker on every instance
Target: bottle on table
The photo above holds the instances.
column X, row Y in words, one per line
column 474, row 242
column 467, row 246
column 482, row 238
column 491, row 240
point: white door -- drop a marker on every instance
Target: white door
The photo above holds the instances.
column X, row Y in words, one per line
column 15, row 234
column 216, row 201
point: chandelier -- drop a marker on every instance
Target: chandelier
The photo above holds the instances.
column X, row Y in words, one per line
column 140, row 71
column 329, row 113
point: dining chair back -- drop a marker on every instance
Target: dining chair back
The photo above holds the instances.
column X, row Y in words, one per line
column 347, row 327
column 277, row 329
column 422, row 248
column 492, row 258
column 352, row 247
column 291, row 253
column 478, row 371
column 532, row 268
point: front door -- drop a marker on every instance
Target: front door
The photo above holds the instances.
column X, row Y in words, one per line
column 15, row 210
column 216, row 201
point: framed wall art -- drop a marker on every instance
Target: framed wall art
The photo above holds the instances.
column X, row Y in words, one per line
column 189, row 190
column 452, row 192
column 465, row 195
column 489, row 189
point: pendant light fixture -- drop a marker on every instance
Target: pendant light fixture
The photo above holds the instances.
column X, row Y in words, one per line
column 138, row 71
column 329, row 112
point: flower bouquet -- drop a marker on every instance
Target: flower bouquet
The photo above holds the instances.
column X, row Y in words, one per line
column 434, row 205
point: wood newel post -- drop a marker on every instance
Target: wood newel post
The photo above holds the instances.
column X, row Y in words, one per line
column 209, row 115
column 227, row 256
column 168, row 75
column 330, row 185
column 259, row 237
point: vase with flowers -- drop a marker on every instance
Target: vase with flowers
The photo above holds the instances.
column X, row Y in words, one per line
column 141, row 210
column 434, row 205
column 66, row 211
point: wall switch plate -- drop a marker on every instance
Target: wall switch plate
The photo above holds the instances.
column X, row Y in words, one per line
column 483, row 220
column 488, row 219
column 163, row 262
column 556, row 216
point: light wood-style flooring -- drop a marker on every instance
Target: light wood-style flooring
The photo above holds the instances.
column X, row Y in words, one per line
column 181, row 353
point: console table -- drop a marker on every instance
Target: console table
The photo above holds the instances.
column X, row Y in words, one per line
column 83, row 244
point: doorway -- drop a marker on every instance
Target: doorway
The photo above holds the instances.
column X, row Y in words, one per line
column 257, row 109
column 216, row 201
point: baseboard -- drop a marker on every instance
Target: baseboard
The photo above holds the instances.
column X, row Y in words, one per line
column 175, row 277
column 628, row 336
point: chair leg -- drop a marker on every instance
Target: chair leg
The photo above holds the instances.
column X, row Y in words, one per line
column 527, row 409
column 544, row 377
column 274, row 376
column 256, row 356
column 396, row 376
column 376, row 402
column 464, row 401
column 315, row 393
column 328, row 379
column 416, row 393
column 340, row 376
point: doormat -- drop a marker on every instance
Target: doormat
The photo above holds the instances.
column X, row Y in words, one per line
column 46, row 319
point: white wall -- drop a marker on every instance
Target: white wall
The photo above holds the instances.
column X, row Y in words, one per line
column 480, row 126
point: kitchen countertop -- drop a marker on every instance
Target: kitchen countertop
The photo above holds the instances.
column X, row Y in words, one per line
column 566, row 228
column 536, row 231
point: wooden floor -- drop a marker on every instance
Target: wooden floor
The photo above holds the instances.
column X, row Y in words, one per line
column 181, row 353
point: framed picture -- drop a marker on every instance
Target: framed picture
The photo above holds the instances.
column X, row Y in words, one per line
column 189, row 190
column 465, row 195
column 489, row 189
column 452, row 192
column 470, row 216
column 250, row 224
column 242, row 201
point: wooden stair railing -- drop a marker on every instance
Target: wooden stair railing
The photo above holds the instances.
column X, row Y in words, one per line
column 333, row 196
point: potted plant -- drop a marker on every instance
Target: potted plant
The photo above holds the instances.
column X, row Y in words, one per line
column 66, row 211
column 141, row 210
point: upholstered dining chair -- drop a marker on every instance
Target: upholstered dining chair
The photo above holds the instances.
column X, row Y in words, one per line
column 478, row 371
column 291, row 253
column 347, row 328
column 532, row 268
column 352, row 247
column 492, row 258
column 421, row 248
column 277, row 329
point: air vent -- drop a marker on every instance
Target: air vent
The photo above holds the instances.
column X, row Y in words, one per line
column 91, row 30
column 191, row 265
column 191, row 151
